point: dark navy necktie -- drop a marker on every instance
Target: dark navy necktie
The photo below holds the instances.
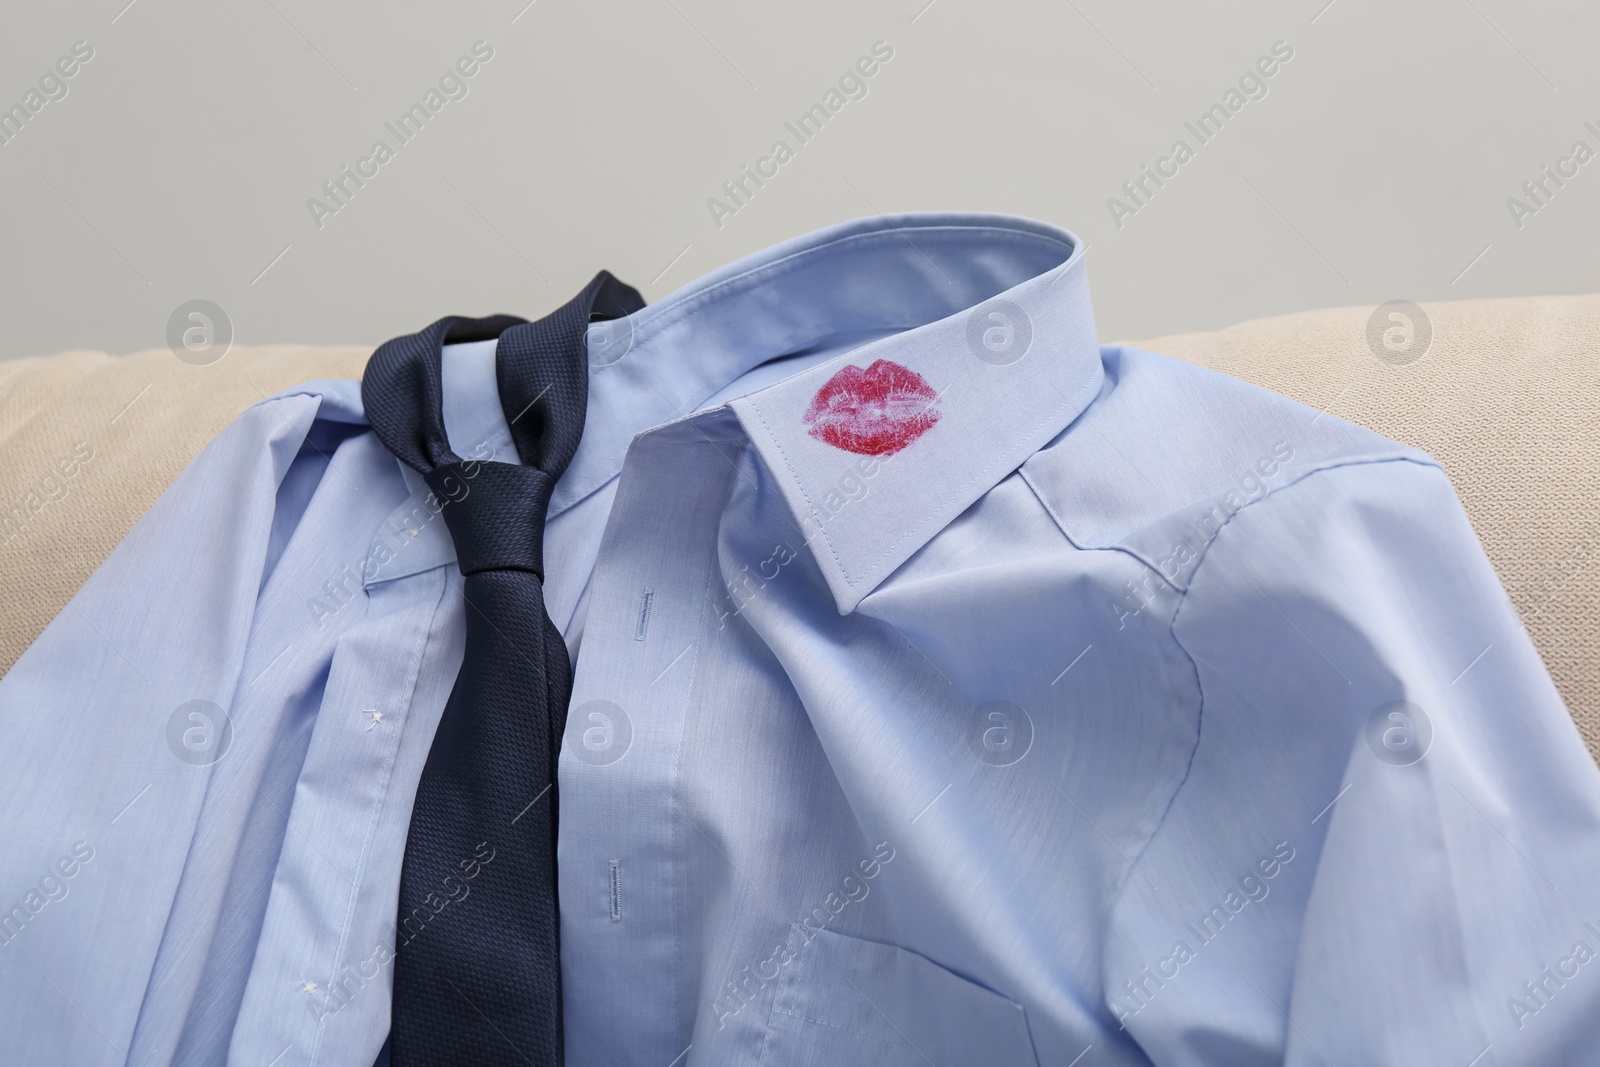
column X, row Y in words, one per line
column 477, row 974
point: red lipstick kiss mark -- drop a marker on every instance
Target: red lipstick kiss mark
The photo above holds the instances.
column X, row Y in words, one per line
column 875, row 411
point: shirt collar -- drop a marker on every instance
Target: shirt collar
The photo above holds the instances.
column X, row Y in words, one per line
column 877, row 449
column 990, row 312
column 916, row 274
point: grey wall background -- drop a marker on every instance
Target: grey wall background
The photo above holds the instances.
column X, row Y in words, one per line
column 179, row 162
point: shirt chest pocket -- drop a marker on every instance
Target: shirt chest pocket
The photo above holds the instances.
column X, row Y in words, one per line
column 847, row 1001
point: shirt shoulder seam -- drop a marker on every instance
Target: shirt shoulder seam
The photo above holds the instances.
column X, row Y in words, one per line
column 1183, row 598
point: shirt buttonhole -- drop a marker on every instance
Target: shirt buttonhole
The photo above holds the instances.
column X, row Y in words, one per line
column 643, row 625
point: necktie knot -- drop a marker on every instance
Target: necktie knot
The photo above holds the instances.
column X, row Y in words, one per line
column 495, row 513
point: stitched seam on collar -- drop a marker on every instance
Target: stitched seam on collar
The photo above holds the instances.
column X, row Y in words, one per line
column 982, row 475
column 765, row 273
column 812, row 508
column 917, row 528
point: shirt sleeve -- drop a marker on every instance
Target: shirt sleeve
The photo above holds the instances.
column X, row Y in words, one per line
column 1387, row 785
column 109, row 723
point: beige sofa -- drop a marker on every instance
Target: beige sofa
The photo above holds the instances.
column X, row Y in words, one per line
column 1506, row 396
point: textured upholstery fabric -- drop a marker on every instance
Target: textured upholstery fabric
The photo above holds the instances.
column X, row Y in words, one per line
column 1507, row 397
column 140, row 419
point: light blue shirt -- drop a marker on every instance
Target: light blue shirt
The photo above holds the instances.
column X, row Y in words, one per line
column 221, row 736
column 1003, row 699
column 1106, row 711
